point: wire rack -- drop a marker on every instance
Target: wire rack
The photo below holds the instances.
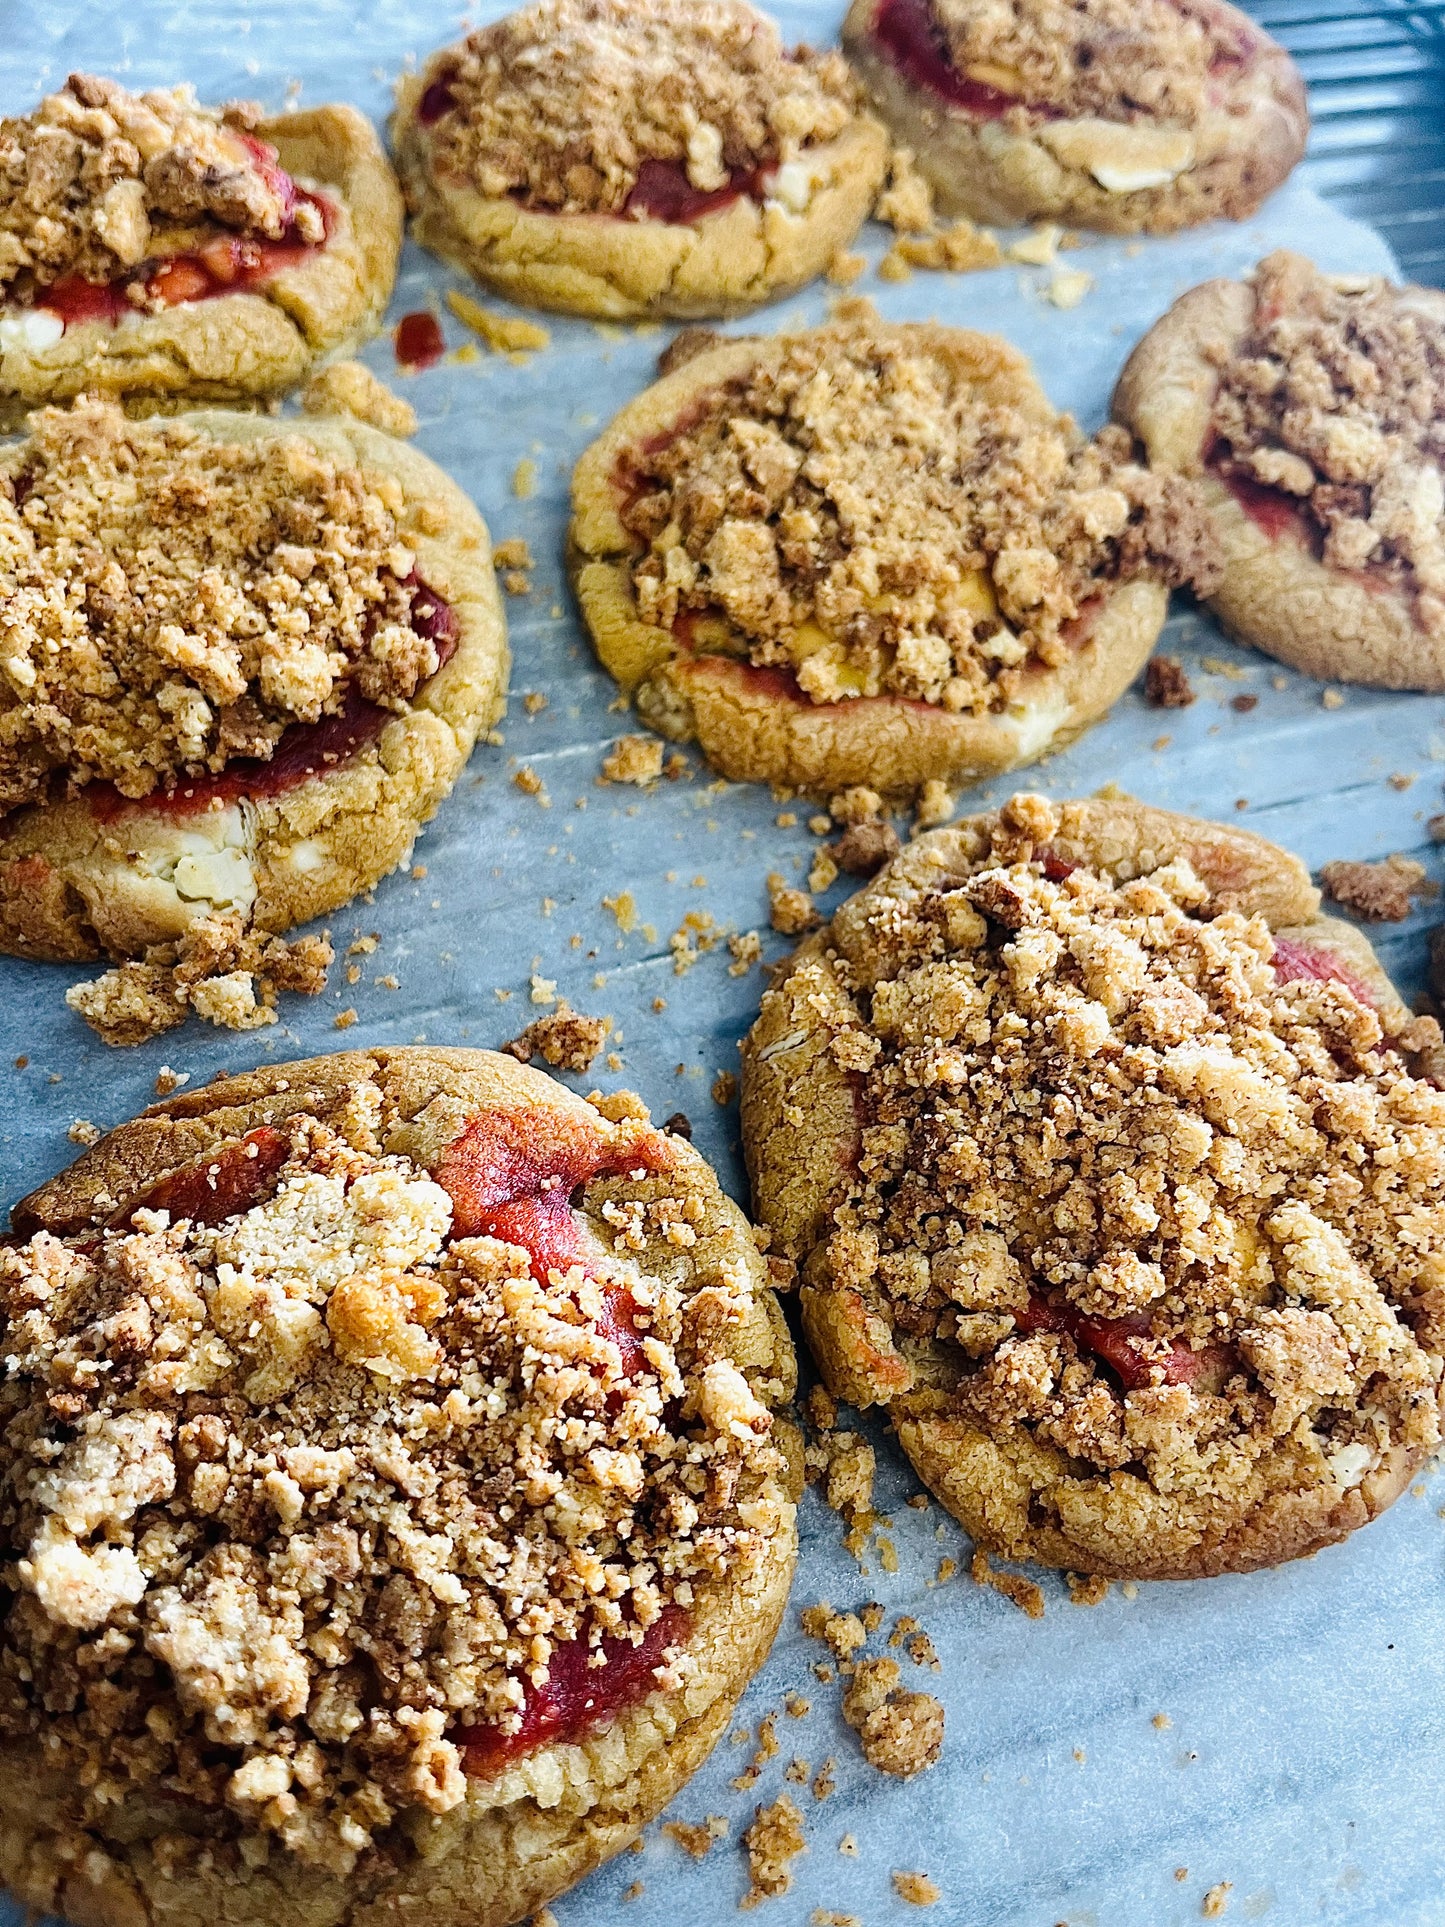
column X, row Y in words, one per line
column 1376, row 76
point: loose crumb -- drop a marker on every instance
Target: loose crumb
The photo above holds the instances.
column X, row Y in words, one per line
column 530, row 783
column 524, row 479
column 568, row 1040
column 935, row 804
column 1068, row 286
column 503, row 334
column 168, row 1080
column 773, row 1840
column 350, row 388
column 634, row 759
column 1162, row 1722
column 635, row 1891
column 724, row 1087
column 917, row 1889
column 82, row 1131
column 821, row 1917
column 792, row 910
column 844, row 269
column 848, row 1846
column 825, row 1783
column 219, row 968
column 1086, row 1589
column 1243, row 703
column 1039, row 247
column 534, row 702
column 1165, row 684
column 901, row 1733
column 1377, row 892
column 796, row 1707
column 344, row 1019
column 1027, row 1596
column 746, row 948
column 842, row 1632
column 700, row 1838
column 1216, row 1901
column 1333, row 699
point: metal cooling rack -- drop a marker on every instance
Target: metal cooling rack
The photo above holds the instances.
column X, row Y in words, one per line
column 1376, row 77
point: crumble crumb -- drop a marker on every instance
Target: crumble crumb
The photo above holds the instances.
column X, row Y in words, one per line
column 864, row 848
column 1216, row 1902
column 1027, row 1596
column 516, row 582
column 1161, row 1722
column 1067, row 286
column 935, row 804
column 842, row 1632
column 823, row 1917
column 901, row 1733
column 917, row 1889
column 698, row 1839
column 168, row 1080
column 746, row 948
column 825, row 1781
column 1087, row 1589
column 906, row 202
column 792, row 910
column 848, row 1846
column 823, row 871
column 534, row 702
column 1377, row 892
column 635, row 1891
column 633, row 759
column 961, row 248
column 724, row 1087
column 82, row 1131
column 773, row 1840
column 530, row 783
column 350, row 388
column 524, row 479
column 344, row 1019
column 796, row 1707
column 1333, row 699
column 215, row 969
column 1166, row 684
column 845, row 268
column 565, row 1038
column 504, row 334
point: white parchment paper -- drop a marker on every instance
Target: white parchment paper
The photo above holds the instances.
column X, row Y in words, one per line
column 1297, row 1749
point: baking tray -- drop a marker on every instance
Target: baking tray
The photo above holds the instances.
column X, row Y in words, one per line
column 1285, row 1732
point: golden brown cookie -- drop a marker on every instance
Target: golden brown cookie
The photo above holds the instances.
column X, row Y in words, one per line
column 246, row 659
column 1116, row 1173
column 1114, row 114
column 828, row 557
column 164, row 253
column 427, row 1523
column 1311, row 408
column 636, row 157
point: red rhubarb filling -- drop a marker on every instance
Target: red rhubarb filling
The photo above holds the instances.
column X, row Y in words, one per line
column 228, row 264
column 1295, row 963
column 909, row 37
column 235, row 1179
column 578, row 1697
column 304, row 750
column 1127, row 1345
column 663, row 192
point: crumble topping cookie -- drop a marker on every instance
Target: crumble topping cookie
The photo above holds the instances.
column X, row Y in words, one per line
column 1116, row 1173
column 636, row 157
column 1311, row 407
column 161, row 251
column 426, row 1523
column 1115, row 114
column 242, row 663
column 872, row 553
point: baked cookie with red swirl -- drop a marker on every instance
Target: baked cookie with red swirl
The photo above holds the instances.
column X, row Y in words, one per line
column 628, row 158
column 1116, row 1174
column 1310, row 408
column 164, row 252
column 1123, row 115
column 872, row 553
column 244, row 661
column 428, row 1520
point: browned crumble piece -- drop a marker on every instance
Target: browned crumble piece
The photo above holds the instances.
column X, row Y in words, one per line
column 1166, row 685
column 344, row 1019
column 856, row 805
column 82, row 1131
column 544, row 1917
column 1181, row 1873
column 565, row 1038
column 1087, row 1589
column 686, row 345
column 863, row 849
column 1024, row 1594
column 797, row 1772
column 697, row 1839
column 635, row 1891
column 792, row 910
column 679, row 1124
column 825, row 1783
column 871, row 1616
column 517, row 582
column 917, row 1889
column 796, row 1707
column 773, row 1840
column 922, row 1651
column 823, row 871
column 843, row 1632
column 746, row 948
column 901, row 1733
column 724, row 1087
column 1161, row 1722
column 514, row 553
column 845, row 268
column 1377, row 892
column 934, row 805
column 530, row 784
column 168, row 1080
column 1243, row 703
column 1215, row 1903
column 504, row 334
column 821, row 1408
column 848, row 1846
column 695, row 936
column 350, row 388
column 524, row 479
column 634, row 759
column 822, row 1917
column 961, row 248
column 906, row 202
column 1333, row 699
column 534, row 702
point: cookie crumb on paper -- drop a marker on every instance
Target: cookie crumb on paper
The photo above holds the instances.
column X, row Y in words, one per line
column 1376, row 892
column 917, row 1889
column 566, row 1038
column 900, row 1732
column 774, row 1839
column 350, row 388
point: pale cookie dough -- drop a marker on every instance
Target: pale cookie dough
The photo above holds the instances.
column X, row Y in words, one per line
column 558, row 155
column 1122, row 115
column 871, row 553
column 396, row 1430
column 1311, row 409
column 1116, row 1173
column 104, row 849
column 132, row 184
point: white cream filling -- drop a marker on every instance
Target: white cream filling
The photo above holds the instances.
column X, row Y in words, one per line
column 1123, row 157
column 208, row 865
column 31, row 330
column 1036, row 723
column 1349, row 1464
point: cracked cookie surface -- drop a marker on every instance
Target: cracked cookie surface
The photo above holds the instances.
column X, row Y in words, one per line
column 1310, row 407
column 871, row 553
column 1115, row 1172
column 429, row 1522
column 607, row 158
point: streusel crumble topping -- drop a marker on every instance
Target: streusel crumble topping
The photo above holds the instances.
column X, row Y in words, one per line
column 1159, row 1205
column 882, row 516
column 1122, row 60
column 296, row 1502
column 563, row 102
column 172, row 601
column 97, row 180
column 1337, row 397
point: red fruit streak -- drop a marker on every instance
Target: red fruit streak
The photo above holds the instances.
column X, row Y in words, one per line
column 1125, row 1344
column 908, row 36
column 232, row 1180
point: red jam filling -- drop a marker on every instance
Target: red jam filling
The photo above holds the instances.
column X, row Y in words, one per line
column 419, row 341
column 227, row 264
column 237, row 1177
column 1296, row 963
column 909, row 35
column 1270, row 509
column 302, row 751
column 663, row 192
column 1127, row 1345
column 437, row 99
column 577, row 1698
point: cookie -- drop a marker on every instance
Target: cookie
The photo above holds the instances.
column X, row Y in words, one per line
column 1116, row 1174
column 427, row 1523
column 1311, row 408
column 827, row 556
column 246, row 660
column 627, row 158
column 1122, row 115
column 162, row 252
